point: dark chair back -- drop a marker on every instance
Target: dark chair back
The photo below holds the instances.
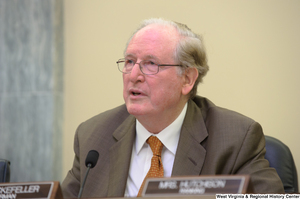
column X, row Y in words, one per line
column 4, row 170
column 281, row 158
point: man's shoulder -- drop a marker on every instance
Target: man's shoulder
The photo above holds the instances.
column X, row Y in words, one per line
column 118, row 111
column 212, row 112
column 224, row 124
column 109, row 118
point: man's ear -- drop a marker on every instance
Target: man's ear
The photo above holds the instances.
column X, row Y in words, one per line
column 190, row 76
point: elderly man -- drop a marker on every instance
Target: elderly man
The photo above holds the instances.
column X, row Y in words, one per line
column 163, row 63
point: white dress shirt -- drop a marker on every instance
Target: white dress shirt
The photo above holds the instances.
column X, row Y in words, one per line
column 142, row 154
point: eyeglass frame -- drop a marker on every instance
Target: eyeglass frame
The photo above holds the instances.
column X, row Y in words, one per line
column 158, row 65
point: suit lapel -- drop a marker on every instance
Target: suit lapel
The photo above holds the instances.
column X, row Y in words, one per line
column 190, row 153
column 120, row 156
column 189, row 157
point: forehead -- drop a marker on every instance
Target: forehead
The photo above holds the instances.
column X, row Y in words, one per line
column 153, row 41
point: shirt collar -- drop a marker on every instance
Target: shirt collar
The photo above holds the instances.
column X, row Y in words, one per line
column 168, row 136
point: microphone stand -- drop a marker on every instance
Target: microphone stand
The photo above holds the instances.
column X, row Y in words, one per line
column 81, row 188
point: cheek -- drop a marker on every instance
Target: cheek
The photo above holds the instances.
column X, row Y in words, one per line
column 125, row 82
column 167, row 91
column 125, row 78
column 174, row 85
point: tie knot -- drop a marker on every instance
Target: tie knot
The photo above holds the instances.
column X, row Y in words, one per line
column 155, row 145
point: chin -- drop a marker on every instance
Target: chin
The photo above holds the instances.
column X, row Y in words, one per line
column 135, row 109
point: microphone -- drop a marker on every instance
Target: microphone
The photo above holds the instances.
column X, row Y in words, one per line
column 90, row 162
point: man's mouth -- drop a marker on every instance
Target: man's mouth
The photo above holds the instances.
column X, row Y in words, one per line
column 135, row 93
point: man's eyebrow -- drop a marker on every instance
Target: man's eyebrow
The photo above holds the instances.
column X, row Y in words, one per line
column 129, row 55
column 151, row 57
column 144, row 57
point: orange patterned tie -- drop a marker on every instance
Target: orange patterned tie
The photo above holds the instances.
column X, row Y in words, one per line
column 156, row 169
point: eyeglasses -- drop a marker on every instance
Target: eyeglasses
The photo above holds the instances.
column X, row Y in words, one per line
column 146, row 66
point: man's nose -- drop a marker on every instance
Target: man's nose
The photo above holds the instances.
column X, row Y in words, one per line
column 136, row 73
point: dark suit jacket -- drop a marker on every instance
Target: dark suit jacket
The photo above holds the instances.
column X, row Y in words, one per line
column 213, row 141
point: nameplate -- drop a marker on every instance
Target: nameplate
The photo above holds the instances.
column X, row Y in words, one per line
column 40, row 190
column 200, row 185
